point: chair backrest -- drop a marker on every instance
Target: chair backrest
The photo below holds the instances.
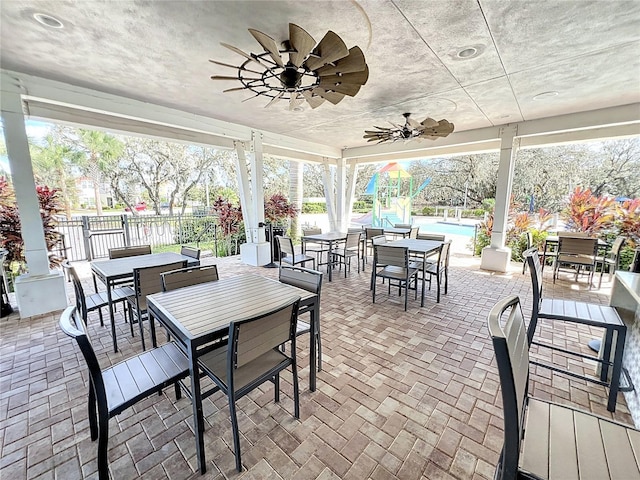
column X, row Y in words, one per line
column 392, row 256
column 443, row 259
column 81, row 301
column 188, row 276
column 402, row 225
column 578, row 246
column 574, row 234
column 431, row 236
column 147, row 280
column 378, row 240
column 529, row 238
column 512, row 356
column 413, row 233
column 353, row 241
column 285, row 245
column 373, row 232
column 616, row 247
column 311, row 231
column 355, row 230
column 121, row 252
column 190, row 252
column 72, row 325
column 304, row 278
column 251, row 338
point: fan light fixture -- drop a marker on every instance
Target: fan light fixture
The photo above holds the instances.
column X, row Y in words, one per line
column 428, row 128
column 301, row 71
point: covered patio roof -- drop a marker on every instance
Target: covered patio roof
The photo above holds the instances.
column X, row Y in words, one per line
column 144, row 67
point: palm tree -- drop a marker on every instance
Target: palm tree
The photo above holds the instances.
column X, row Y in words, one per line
column 295, row 194
column 103, row 151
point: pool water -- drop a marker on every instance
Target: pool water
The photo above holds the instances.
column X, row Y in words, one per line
column 447, row 228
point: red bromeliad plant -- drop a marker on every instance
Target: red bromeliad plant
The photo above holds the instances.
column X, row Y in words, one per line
column 629, row 223
column 229, row 217
column 277, row 209
column 587, row 213
column 11, row 228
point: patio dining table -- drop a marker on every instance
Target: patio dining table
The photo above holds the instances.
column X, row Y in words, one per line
column 201, row 314
column 331, row 239
column 397, row 231
column 117, row 269
column 423, row 248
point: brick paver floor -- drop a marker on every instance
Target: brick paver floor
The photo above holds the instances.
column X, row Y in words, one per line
column 402, row 395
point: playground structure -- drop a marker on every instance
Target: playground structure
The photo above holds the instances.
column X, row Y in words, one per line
column 393, row 194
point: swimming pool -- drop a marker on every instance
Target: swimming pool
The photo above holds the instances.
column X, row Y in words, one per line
column 447, row 228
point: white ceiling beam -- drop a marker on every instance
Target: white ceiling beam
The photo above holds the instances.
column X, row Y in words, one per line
column 578, row 136
column 97, row 103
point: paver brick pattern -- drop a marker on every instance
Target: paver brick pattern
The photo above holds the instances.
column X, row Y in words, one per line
column 402, row 395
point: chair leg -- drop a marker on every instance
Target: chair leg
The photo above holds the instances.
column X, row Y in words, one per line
column 319, row 342
column 234, row 428
column 296, row 390
column 276, row 387
column 446, row 280
column 141, row 330
column 103, row 439
column 373, row 285
column 438, row 276
column 93, row 420
column 178, row 390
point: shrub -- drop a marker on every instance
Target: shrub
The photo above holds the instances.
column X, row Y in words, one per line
column 11, row 228
column 588, row 213
column 278, row 209
column 428, row 211
column 315, row 207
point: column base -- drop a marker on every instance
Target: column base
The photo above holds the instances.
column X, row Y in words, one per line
column 256, row 254
column 40, row 294
column 495, row 259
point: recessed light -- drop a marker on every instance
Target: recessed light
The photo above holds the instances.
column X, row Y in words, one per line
column 298, row 109
column 500, row 117
column 545, row 95
column 470, row 51
column 47, row 20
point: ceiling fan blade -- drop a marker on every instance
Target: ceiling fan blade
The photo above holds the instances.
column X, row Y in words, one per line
column 269, row 45
column 330, row 49
column 222, row 77
column 356, row 78
column 332, row 97
column 354, row 62
column 234, row 89
column 345, row 88
column 295, row 101
column 314, row 101
column 429, row 123
column 235, row 67
column 414, row 124
column 302, row 42
column 444, row 128
column 249, row 98
column 274, row 100
column 240, row 52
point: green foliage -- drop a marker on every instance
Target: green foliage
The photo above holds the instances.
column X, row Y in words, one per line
column 314, row 207
column 626, row 257
column 475, row 213
column 193, row 230
column 428, row 211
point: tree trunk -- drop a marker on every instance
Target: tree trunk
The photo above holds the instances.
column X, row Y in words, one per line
column 96, row 194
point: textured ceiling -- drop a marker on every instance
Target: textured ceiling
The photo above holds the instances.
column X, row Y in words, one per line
column 158, row 52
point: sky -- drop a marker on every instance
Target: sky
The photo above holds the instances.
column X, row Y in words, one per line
column 35, row 129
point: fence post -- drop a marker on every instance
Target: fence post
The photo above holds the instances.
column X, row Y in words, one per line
column 125, row 226
column 86, row 237
column 215, row 237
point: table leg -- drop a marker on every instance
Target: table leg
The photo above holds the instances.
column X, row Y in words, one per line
column 313, row 346
column 111, row 317
column 196, row 402
column 424, row 277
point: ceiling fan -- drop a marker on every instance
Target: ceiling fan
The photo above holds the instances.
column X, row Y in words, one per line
column 302, row 70
column 428, row 128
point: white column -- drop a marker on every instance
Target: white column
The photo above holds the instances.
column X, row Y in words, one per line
column 245, row 193
column 327, row 181
column 256, row 251
column 497, row 256
column 341, row 200
column 351, row 191
column 257, row 183
column 41, row 290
